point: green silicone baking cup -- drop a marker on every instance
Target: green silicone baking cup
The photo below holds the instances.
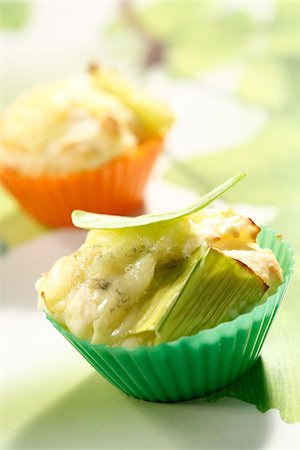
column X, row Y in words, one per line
column 196, row 365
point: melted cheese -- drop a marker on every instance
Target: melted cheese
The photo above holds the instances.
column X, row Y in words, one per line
column 92, row 291
column 65, row 126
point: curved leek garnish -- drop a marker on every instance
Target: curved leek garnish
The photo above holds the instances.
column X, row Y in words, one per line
column 87, row 220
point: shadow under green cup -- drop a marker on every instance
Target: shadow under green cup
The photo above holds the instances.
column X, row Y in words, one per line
column 196, row 365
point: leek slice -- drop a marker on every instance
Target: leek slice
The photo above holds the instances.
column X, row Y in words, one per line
column 87, row 220
column 203, row 291
column 155, row 116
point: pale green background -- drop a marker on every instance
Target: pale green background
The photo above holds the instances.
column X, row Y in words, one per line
column 231, row 72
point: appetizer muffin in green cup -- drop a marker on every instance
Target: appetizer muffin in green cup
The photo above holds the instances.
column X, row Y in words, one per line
column 169, row 307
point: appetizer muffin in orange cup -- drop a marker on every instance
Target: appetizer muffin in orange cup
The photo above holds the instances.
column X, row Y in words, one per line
column 87, row 142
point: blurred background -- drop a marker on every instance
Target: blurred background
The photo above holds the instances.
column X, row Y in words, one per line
column 231, row 72
column 229, row 69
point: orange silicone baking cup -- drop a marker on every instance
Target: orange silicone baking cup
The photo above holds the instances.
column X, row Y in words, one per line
column 115, row 188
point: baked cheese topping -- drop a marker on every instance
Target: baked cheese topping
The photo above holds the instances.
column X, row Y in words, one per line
column 64, row 127
column 94, row 291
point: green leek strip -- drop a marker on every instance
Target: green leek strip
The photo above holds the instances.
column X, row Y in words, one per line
column 154, row 115
column 213, row 288
column 83, row 219
column 166, row 287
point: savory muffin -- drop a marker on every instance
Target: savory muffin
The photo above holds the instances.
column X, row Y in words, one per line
column 169, row 307
column 129, row 286
column 85, row 142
